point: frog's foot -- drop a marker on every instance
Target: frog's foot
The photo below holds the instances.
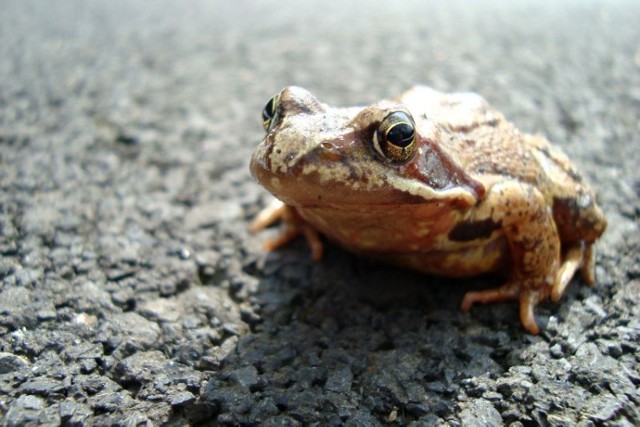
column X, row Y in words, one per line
column 579, row 256
column 529, row 296
column 294, row 225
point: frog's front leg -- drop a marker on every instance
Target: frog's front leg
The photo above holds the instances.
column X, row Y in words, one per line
column 530, row 230
column 293, row 226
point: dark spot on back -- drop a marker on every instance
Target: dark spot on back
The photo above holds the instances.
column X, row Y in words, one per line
column 472, row 230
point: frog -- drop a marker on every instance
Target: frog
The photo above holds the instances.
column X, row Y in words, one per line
column 441, row 183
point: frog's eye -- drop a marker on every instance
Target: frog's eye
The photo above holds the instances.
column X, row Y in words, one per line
column 269, row 112
column 395, row 137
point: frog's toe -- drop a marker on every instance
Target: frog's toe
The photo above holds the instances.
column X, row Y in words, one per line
column 293, row 226
column 577, row 257
column 528, row 301
column 287, row 235
column 572, row 260
column 588, row 268
column 527, row 296
column 290, row 232
column 506, row 292
column 275, row 211
column 314, row 241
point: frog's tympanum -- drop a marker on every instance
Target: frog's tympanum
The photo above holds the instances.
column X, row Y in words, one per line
column 441, row 183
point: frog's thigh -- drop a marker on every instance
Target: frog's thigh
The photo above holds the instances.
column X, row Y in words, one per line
column 528, row 226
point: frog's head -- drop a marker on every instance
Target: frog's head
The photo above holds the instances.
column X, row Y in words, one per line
column 313, row 154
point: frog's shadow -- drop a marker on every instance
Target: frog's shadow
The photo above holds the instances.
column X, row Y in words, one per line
column 347, row 329
column 347, row 290
column 353, row 281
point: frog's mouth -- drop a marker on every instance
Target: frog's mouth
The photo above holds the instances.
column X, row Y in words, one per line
column 307, row 185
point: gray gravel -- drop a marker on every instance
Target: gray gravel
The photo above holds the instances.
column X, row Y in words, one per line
column 132, row 294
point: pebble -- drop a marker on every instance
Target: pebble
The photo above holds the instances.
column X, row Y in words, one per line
column 10, row 362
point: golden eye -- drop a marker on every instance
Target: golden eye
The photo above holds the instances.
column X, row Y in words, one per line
column 395, row 137
column 270, row 112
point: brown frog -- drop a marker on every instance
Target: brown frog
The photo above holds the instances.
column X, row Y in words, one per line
column 441, row 183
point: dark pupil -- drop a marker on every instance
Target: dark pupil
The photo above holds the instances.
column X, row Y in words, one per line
column 401, row 134
column 267, row 112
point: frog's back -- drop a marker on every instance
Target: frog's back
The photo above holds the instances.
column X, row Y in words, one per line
column 490, row 148
column 477, row 137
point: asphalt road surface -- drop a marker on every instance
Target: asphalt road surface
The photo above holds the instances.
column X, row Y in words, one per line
column 132, row 293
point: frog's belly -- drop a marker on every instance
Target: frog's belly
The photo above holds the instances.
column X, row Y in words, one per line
column 386, row 229
column 414, row 236
column 489, row 256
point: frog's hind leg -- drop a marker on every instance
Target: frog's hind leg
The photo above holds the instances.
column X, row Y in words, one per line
column 293, row 226
column 579, row 256
column 534, row 243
